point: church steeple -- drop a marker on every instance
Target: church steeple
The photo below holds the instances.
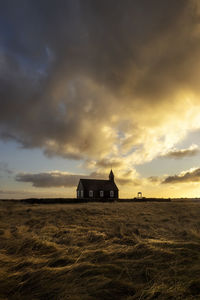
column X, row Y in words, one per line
column 111, row 176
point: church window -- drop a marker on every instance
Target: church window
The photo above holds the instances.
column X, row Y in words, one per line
column 101, row 193
column 90, row 193
column 111, row 194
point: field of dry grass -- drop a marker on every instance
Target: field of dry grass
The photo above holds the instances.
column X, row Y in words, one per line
column 100, row 251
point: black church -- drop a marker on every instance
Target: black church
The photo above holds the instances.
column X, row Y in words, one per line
column 95, row 188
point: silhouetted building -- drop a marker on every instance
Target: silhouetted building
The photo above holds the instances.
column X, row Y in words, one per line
column 95, row 188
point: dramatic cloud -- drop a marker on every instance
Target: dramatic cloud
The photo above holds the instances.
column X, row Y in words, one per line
column 192, row 175
column 50, row 179
column 64, row 179
column 99, row 79
column 191, row 151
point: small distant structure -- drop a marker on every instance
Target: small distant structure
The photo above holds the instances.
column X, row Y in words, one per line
column 98, row 188
column 139, row 195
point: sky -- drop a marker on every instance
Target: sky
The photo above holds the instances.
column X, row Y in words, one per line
column 90, row 85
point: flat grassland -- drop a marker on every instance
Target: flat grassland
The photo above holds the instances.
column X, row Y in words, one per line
column 100, row 251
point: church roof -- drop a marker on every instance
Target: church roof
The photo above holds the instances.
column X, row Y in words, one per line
column 97, row 184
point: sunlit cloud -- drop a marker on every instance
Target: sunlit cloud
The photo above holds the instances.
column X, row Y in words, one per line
column 192, row 175
column 178, row 154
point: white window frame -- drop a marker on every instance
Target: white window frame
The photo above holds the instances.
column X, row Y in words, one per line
column 101, row 193
column 111, row 193
column 91, row 194
column 78, row 194
column 82, row 194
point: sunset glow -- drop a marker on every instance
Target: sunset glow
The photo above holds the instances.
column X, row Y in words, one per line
column 89, row 85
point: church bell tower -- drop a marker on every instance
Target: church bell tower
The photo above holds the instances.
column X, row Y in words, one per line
column 111, row 176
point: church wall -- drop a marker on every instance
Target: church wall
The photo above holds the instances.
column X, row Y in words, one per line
column 96, row 194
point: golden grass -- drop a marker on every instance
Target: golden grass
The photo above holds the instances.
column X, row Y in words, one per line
column 100, row 251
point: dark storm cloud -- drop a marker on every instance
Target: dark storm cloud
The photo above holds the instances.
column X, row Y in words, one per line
column 66, row 66
column 51, row 179
column 190, row 176
column 176, row 154
column 62, row 179
column 55, row 178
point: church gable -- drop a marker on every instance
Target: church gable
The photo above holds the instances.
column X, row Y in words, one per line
column 95, row 188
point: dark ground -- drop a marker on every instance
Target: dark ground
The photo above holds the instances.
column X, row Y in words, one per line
column 101, row 251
